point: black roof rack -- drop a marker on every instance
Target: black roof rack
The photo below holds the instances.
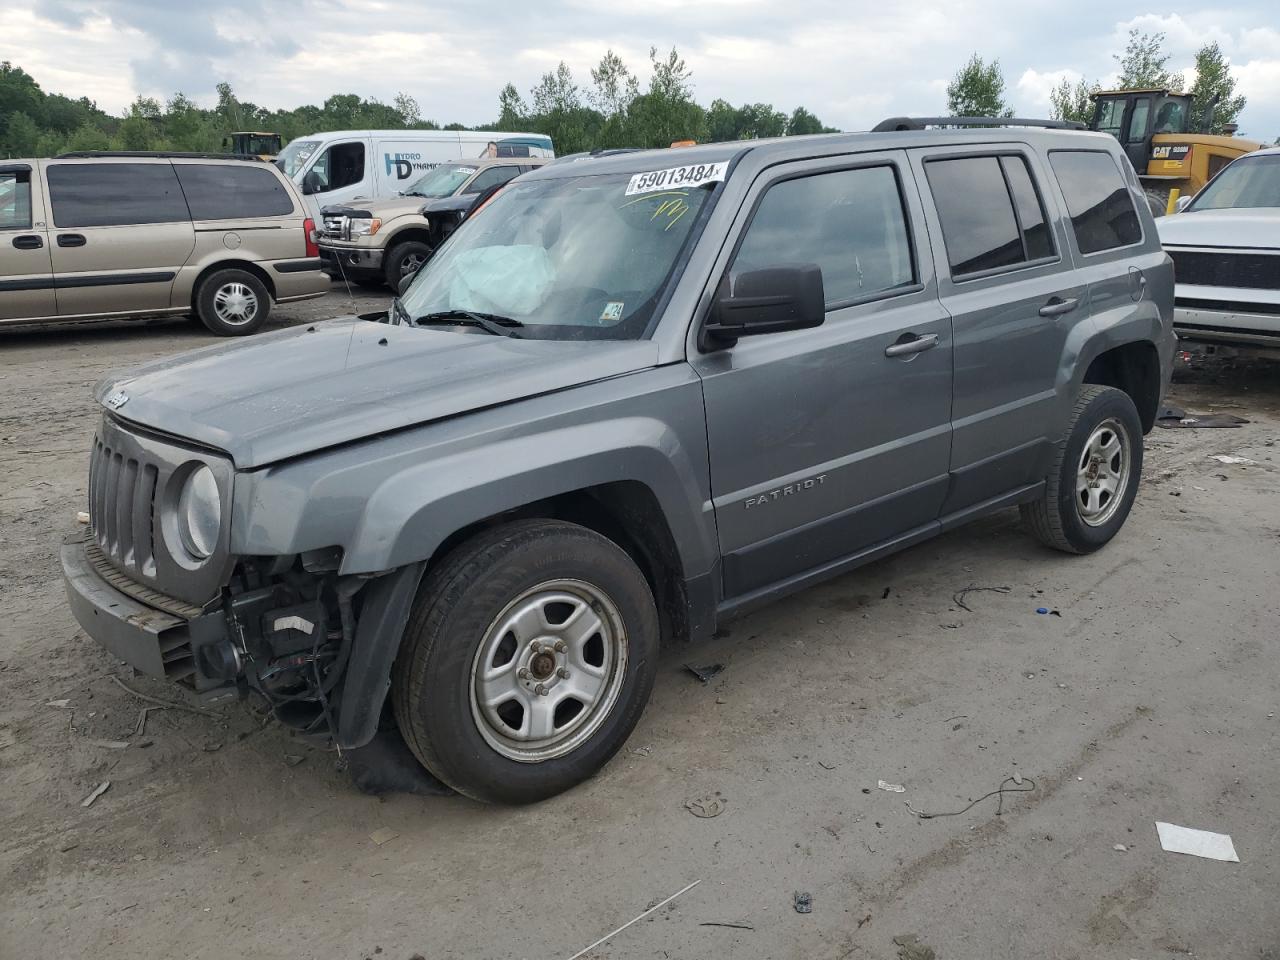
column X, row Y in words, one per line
column 919, row 123
column 153, row 154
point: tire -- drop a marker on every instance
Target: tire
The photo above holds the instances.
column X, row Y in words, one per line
column 463, row 622
column 369, row 281
column 1157, row 200
column 1080, row 521
column 233, row 303
column 403, row 259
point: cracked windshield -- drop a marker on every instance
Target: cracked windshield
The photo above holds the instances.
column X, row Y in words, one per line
column 565, row 259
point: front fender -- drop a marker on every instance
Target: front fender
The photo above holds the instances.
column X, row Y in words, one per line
column 411, row 513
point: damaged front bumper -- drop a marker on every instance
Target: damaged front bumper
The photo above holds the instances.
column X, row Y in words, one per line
column 270, row 634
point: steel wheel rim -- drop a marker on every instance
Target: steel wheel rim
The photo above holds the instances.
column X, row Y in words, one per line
column 235, row 304
column 556, row 643
column 1102, row 475
column 411, row 263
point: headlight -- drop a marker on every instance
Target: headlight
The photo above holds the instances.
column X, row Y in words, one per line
column 200, row 513
column 362, row 227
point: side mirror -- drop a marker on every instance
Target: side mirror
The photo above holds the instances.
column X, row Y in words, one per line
column 1183, row 203
column 405, row 282
column 311, row 183
column 767, row 301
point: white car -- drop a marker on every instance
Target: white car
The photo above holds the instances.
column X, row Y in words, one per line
column 1225, row 247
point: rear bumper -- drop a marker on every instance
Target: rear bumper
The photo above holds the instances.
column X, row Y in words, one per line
column 298, row 279
column 1230, row 327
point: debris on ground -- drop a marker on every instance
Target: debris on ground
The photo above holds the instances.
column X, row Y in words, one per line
column 82, row 516
column 725, row 923
column 826, row 766
column 1229, row 458
column 661, row 903
column 98, row 791
column 1014, row 784
column 293, row 759
column 958, row 597
column 109, row 744
column 864, row 921
column 1120, row 847
column 386, row 765
column 705, row 674
column 59, row 704
column 383, row 835
column 1173, row 417
column 803, row 902
column 705, row 807
column 1043, row 611
column 910, row 948
column 172, row 704
column 1196, row 843
column 891, row 787
column 885, row 595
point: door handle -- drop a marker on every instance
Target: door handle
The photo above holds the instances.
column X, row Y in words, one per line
column 28, row 241
column 1057, row 306
column 916, row 344
column 71, row 240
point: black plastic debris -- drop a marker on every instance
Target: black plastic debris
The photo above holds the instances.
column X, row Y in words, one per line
column 804, row 902
column 1175, row 418
column 705, row 674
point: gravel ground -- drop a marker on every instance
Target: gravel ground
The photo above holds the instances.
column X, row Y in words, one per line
column 1153, row 696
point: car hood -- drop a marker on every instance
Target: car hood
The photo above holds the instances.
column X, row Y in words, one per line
column 387, row 209
column 1253, row 227
column 299, row 390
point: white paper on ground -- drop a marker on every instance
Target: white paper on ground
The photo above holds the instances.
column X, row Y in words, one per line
column 1198, row 843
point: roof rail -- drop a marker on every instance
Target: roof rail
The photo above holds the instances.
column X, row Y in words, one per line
column 153, row 155
column 919, row 123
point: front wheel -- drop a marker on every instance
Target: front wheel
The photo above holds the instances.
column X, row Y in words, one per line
column 527, row 661
column 1095, row 474
column 404, row 260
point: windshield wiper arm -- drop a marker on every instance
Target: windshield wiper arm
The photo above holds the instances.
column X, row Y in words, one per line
column 493, row 323
column 398, row 310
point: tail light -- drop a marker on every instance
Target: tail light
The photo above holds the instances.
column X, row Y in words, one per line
column 309, row 233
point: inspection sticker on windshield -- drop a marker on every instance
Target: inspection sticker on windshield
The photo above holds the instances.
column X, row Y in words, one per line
column 692, row 175
column 612, row 311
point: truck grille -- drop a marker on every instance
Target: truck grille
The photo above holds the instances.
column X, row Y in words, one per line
column 122, row 493
column 1256, row 271
column 335, row 228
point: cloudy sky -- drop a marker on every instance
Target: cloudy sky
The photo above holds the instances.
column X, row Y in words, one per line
column 852, row 62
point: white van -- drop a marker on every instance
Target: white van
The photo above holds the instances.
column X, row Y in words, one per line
column 347, row 165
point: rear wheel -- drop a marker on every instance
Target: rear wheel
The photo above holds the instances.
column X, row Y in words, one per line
column 233, row 303
column 1095, row 474
column 527, row 661
column 403, row 260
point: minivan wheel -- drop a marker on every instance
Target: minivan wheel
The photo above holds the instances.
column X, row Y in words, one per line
column 1095, row 474
column 527, row 661
column 403, row 260
column 233, row 303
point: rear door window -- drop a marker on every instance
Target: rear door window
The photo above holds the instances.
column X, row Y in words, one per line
column 1100, row 203
column 992, row 214
column 233, row 191
column 492, row 177
column 115, row 194
column 15, row 199
column 851, row 223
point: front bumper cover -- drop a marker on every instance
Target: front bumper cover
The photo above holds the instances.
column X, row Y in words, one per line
column 335, row 259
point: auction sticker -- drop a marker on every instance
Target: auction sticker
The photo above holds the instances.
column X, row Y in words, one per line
column 692, row 175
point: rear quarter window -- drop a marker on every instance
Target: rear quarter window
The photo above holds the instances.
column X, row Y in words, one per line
column 1099, row 201
column 115, row 194
column 225, row 191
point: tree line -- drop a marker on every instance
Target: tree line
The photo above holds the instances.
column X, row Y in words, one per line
column 613, row 110
column 979, row 88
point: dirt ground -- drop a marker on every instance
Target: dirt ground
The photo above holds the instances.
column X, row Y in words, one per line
column 1153, row 696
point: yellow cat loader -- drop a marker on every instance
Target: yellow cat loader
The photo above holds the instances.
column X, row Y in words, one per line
column 252, row 143
column 1153, row 126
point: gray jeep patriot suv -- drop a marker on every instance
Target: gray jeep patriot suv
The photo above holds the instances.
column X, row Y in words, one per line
column 630, row 398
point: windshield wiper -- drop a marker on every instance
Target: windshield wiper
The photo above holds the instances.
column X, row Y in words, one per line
column 493, row 323
column 398, row 311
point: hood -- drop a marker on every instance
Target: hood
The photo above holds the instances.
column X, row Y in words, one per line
column 384, row 210
column 458, row 202
column 1253, row 227
column 278, row 395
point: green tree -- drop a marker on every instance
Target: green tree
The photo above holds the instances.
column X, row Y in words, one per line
column 666, row 112
column 978, row 90
column 21, row 136
column 1214, row 79
column 614, row 86
column 89, row 137
column 512, row 110
column 1070, row 101
column 802, row 122
column 1145, row 64
column 407, row 107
